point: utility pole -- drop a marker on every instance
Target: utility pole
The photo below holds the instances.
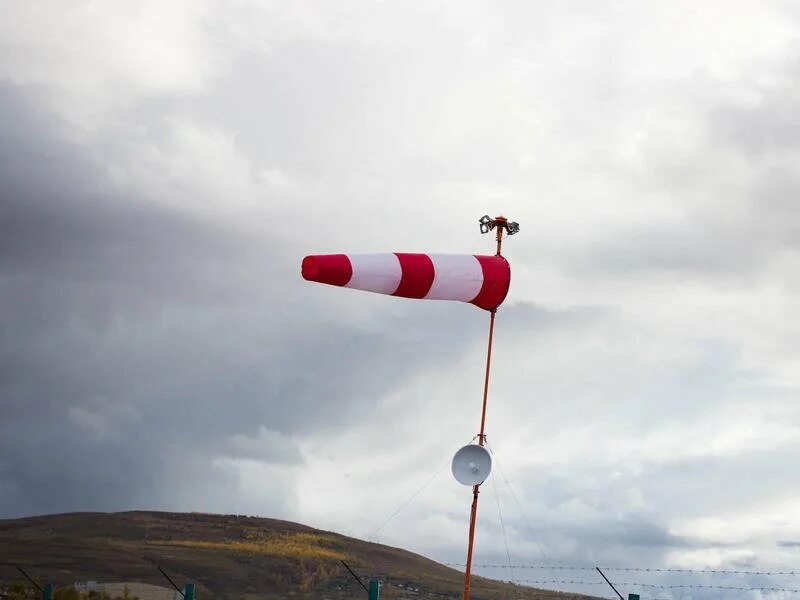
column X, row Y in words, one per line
column 500, row 224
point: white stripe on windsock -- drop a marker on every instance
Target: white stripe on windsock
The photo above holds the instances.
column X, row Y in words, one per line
column 379, row 273
column 456, row 277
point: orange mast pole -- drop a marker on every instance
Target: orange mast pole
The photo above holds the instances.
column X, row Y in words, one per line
column 473, row 515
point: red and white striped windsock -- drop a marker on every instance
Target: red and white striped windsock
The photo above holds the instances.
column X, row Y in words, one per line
column 480, row 280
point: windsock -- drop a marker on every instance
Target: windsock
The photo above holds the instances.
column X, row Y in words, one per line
column 479, row 280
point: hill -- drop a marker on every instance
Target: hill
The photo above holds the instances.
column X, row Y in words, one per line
column 229, row 557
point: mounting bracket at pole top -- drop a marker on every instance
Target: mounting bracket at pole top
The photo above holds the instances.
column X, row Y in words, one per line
column 500, row 223
column 487, row 224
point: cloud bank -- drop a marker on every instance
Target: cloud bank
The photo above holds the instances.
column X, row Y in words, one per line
column 163, row 169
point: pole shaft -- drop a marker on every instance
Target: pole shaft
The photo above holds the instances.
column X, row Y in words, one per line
column 473, row 515
column 499, row 236
column 482, row 434
column 481, row 440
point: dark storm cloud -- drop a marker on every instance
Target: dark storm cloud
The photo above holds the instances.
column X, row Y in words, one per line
column 134, row 336
column 83, row 273
column 52, row 466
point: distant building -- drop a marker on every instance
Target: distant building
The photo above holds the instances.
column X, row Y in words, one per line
column 144, row 591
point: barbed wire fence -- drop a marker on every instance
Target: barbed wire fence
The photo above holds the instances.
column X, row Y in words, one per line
column 627, row 569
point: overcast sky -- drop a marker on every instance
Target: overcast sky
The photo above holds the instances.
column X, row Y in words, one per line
column 164, row 167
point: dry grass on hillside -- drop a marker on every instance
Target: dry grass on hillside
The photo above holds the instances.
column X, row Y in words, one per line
column 300, row 546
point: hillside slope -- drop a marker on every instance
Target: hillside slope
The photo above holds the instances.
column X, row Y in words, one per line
column 229, row 557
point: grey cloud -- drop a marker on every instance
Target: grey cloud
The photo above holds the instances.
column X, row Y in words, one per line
column 729, row 228
column 764, row 125
column 708, row 246
column 264, row 445
column 116, row 307
column 155, row 341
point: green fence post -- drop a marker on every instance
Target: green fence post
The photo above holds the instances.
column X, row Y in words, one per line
column 188, row 591
column 374, row 589
column 633, row 596
column 47, row 591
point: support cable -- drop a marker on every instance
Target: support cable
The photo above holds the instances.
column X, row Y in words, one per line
column 519, row 505
column 502, row 528
column 411, row 498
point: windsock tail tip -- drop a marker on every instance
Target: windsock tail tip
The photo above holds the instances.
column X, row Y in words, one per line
column 333, row 269
column 310, row 269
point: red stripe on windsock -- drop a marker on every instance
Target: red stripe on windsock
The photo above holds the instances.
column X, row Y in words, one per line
column 333, row 269
column 496, row 281
column 417, row 278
